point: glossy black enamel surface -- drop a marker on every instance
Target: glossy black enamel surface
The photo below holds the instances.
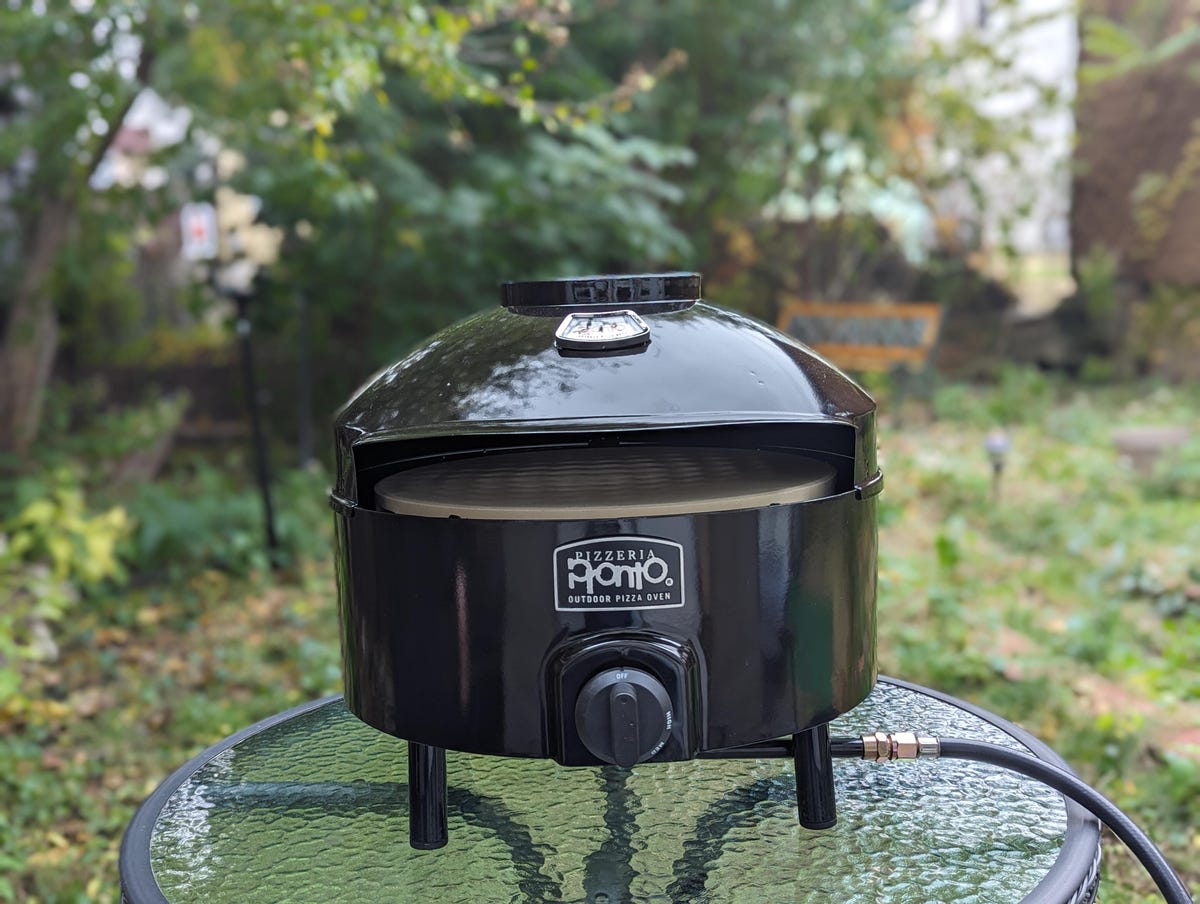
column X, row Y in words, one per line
column 449, row 624
column 499, row 372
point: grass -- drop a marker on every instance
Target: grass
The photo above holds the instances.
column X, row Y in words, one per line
column 1068, row 602
column 1066, row 599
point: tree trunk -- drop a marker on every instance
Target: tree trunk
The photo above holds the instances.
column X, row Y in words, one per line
column 31, row 336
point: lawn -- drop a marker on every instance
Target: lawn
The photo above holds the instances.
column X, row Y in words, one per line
column 1067, row 598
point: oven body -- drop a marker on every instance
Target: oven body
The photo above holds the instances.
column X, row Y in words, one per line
column 483, row 635
column 456, row 632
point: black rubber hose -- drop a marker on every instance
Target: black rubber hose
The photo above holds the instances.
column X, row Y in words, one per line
column 1069, row 785
column 846, row 748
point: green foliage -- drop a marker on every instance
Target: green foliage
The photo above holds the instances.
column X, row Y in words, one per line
column 811, row 122
column 55, row 528
column 1177, row 473
column 140, row 685
column 1097, row 277
column 96, row 438
column 385, row 143
column 306, row 89
column 1021, row 395
column 52, row 552
column 1115, row 49
column 1109, row 41
column 436, row 223
column 205, row 517
column 1164, row 329
column 784, row 115
column 44, row 47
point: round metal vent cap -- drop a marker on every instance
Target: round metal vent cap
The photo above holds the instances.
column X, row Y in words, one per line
column 610, row 290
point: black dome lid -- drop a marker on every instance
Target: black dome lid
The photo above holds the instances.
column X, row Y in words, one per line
column 702, row 364
column 501, row 372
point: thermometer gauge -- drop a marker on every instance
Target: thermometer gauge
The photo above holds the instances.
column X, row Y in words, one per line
column 601, row 331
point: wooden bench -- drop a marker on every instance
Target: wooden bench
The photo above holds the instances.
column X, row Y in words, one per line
column 863, row 336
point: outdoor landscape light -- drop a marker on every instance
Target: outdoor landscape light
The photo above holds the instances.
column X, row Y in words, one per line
column 998, row 445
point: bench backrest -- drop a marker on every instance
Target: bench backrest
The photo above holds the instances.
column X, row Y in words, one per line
column 864, row 336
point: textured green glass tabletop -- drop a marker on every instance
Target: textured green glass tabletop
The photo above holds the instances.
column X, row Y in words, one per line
column 314, row 808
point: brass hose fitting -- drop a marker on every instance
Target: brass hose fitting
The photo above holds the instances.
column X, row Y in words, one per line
column 902, row 745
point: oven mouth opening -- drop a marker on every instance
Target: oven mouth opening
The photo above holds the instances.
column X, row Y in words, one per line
column 585, row 476
column 606, row 482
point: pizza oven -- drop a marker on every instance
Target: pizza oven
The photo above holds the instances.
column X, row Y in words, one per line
column 606, row 522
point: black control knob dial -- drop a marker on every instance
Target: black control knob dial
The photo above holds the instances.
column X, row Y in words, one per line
column 623, row 716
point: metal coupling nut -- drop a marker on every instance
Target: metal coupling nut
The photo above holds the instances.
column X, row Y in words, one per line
column 904, row 746
column 870, row 747
column 901, row 745
column 877, row 747
column 883, row 747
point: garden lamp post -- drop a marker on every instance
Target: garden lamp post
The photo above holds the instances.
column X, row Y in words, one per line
column 997, row 445
column 236, row 287
column 247, row 247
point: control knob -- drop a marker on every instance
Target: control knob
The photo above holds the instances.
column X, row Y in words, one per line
column 623, row 716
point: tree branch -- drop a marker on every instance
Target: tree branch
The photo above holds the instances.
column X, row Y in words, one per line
column 145, row 67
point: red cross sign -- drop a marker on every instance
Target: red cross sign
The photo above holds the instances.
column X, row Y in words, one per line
column 198, row 231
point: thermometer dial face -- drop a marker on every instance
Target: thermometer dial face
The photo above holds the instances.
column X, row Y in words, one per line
column 601, row 331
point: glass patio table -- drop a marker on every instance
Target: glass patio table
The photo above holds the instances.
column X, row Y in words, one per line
column 311, row 805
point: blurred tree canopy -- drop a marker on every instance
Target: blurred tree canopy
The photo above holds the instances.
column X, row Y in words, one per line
column 415, row 155
column 72, row 71
column 1136, row 199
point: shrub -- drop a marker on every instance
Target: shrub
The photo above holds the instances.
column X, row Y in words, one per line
column 204, row 517
column 1177, row 473
column 52, row 552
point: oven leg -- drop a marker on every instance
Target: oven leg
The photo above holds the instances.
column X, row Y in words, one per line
column 814, row 778
column 426, row 796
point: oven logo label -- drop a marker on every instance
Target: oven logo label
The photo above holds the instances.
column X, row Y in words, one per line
column 614, row 573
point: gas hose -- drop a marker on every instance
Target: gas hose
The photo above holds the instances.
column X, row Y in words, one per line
column 884, row 747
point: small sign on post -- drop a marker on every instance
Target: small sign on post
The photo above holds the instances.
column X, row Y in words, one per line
column 198, row 231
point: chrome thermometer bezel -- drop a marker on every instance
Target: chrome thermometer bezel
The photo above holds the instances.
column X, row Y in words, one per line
column 601, row 331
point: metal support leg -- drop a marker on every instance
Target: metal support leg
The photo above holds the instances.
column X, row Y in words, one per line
column 814, row 778
column 426, row 796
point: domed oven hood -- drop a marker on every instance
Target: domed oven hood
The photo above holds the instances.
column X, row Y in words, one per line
column 500, row 371
column 606, row 522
